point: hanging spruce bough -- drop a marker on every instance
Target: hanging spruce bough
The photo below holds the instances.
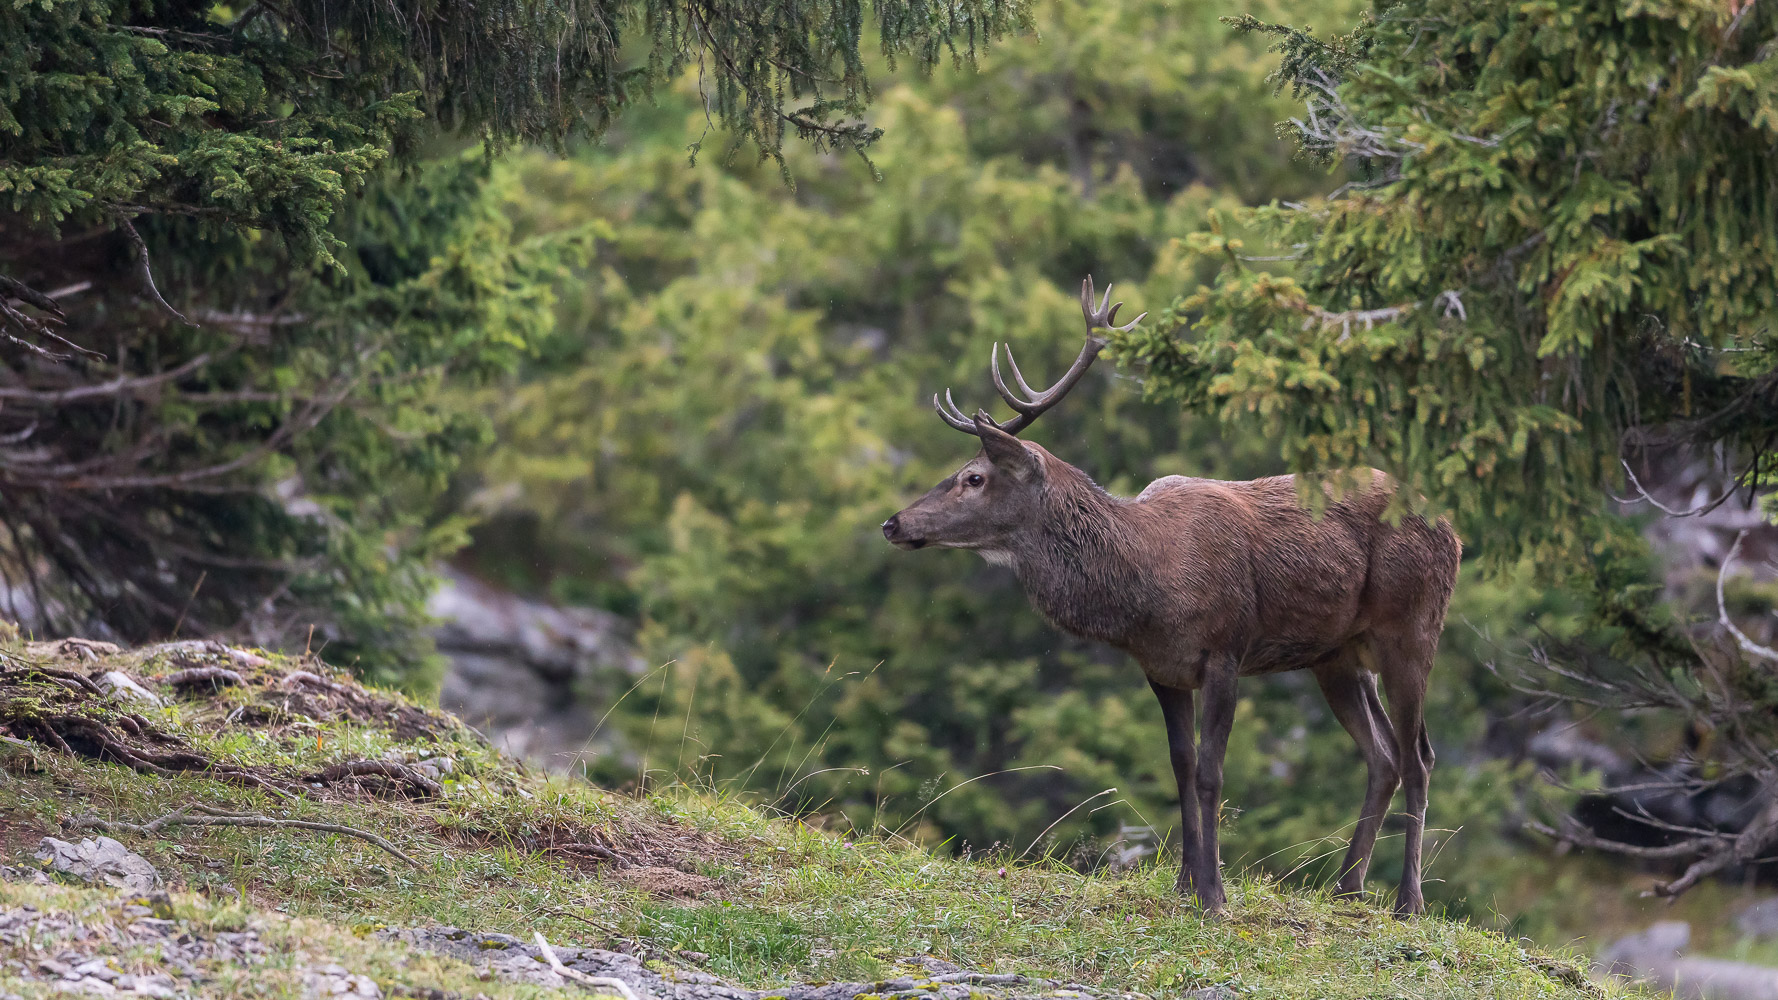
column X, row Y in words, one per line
column 232, row 288
column 1557, row 249
column 1561, row 228
column 265, row 118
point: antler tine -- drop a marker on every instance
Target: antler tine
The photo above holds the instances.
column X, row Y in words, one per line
column 1033, row 397
column 952, row 416
column 1099, row 315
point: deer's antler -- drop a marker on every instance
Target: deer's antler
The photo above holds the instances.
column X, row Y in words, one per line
column 1034, row 402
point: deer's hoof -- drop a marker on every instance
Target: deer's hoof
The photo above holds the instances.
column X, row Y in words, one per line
column 1409, row 907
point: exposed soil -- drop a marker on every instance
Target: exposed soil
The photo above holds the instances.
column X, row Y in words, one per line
column 636, row 845
column 669, row 883
column 19, row 835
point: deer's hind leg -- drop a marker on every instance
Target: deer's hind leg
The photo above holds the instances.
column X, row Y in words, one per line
column 1406, row 664
column 1218, row 691
column 1351, row 693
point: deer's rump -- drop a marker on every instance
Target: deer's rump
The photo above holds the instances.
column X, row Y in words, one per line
column 1298, row 589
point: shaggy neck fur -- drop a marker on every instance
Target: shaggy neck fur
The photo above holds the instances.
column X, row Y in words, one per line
column 1073, row 562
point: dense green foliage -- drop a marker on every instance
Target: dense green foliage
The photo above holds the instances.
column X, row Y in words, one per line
column 739, row 392
column 239, row 259
column 1557, row 259
column 1562, row 230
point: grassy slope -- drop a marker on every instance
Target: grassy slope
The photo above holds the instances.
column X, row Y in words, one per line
column 778, row 902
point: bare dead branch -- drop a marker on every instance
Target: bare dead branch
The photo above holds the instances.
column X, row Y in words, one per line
column 25, row 293
column 148, row 285
column 419, row 786
column 1643, row 496
column 42, row 329
column 117, row 386
column 1449, row 301
column 1722, row 612
column 606, row 982
column 1748, row 847
column 1578, row 835
column 182, row 817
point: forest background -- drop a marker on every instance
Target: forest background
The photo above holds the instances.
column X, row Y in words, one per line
column 664, row 375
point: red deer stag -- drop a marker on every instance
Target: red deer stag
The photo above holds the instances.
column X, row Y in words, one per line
column 1204, row 581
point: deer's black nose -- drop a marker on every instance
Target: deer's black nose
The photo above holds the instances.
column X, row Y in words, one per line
column 891, row 526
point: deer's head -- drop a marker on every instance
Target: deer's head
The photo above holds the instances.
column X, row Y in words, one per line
column 999, row 492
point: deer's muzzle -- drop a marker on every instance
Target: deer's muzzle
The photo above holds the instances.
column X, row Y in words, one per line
column 897, row 537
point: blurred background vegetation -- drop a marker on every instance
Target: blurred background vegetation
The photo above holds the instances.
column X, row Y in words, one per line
column 738, row 392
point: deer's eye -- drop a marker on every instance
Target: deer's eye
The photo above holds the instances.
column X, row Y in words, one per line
column 973, row 479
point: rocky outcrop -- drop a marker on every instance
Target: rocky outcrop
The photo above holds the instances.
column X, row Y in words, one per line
column 104, row 861
column 922, row 977
column 1657, row 956
column 519, row 669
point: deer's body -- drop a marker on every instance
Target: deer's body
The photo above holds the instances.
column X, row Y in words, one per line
column 1196, row 566
column 1204, row 581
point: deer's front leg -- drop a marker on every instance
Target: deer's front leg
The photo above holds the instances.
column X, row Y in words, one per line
column 1176, row 708
column 1219, row 718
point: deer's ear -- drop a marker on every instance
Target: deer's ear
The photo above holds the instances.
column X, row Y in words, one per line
column 1008, row 454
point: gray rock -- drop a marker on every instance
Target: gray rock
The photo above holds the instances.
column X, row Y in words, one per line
column 330, row 981
column 1562, row 746
column 206, row 647
column 102, row 860
column 1759, row 920
column 1662, row 941
column 123, row 687
column 517, row 666
column 511, row 958
column 10, row 873
column 1657, row 956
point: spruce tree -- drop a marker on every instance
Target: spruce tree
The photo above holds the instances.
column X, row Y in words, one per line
column 240, row 255
column 1555, row 253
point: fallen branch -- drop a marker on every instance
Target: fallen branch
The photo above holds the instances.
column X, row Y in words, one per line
column 300, row 677
column 211, row 817
column 67, row 678
column 981, row 978
column 549, row 955
column 1711, row 850
column 1581, row 837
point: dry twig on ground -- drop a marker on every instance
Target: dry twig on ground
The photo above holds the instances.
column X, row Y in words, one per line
column 549, row 955
column 209, row 816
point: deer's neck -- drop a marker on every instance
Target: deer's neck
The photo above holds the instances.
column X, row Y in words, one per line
column 1078, row 566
